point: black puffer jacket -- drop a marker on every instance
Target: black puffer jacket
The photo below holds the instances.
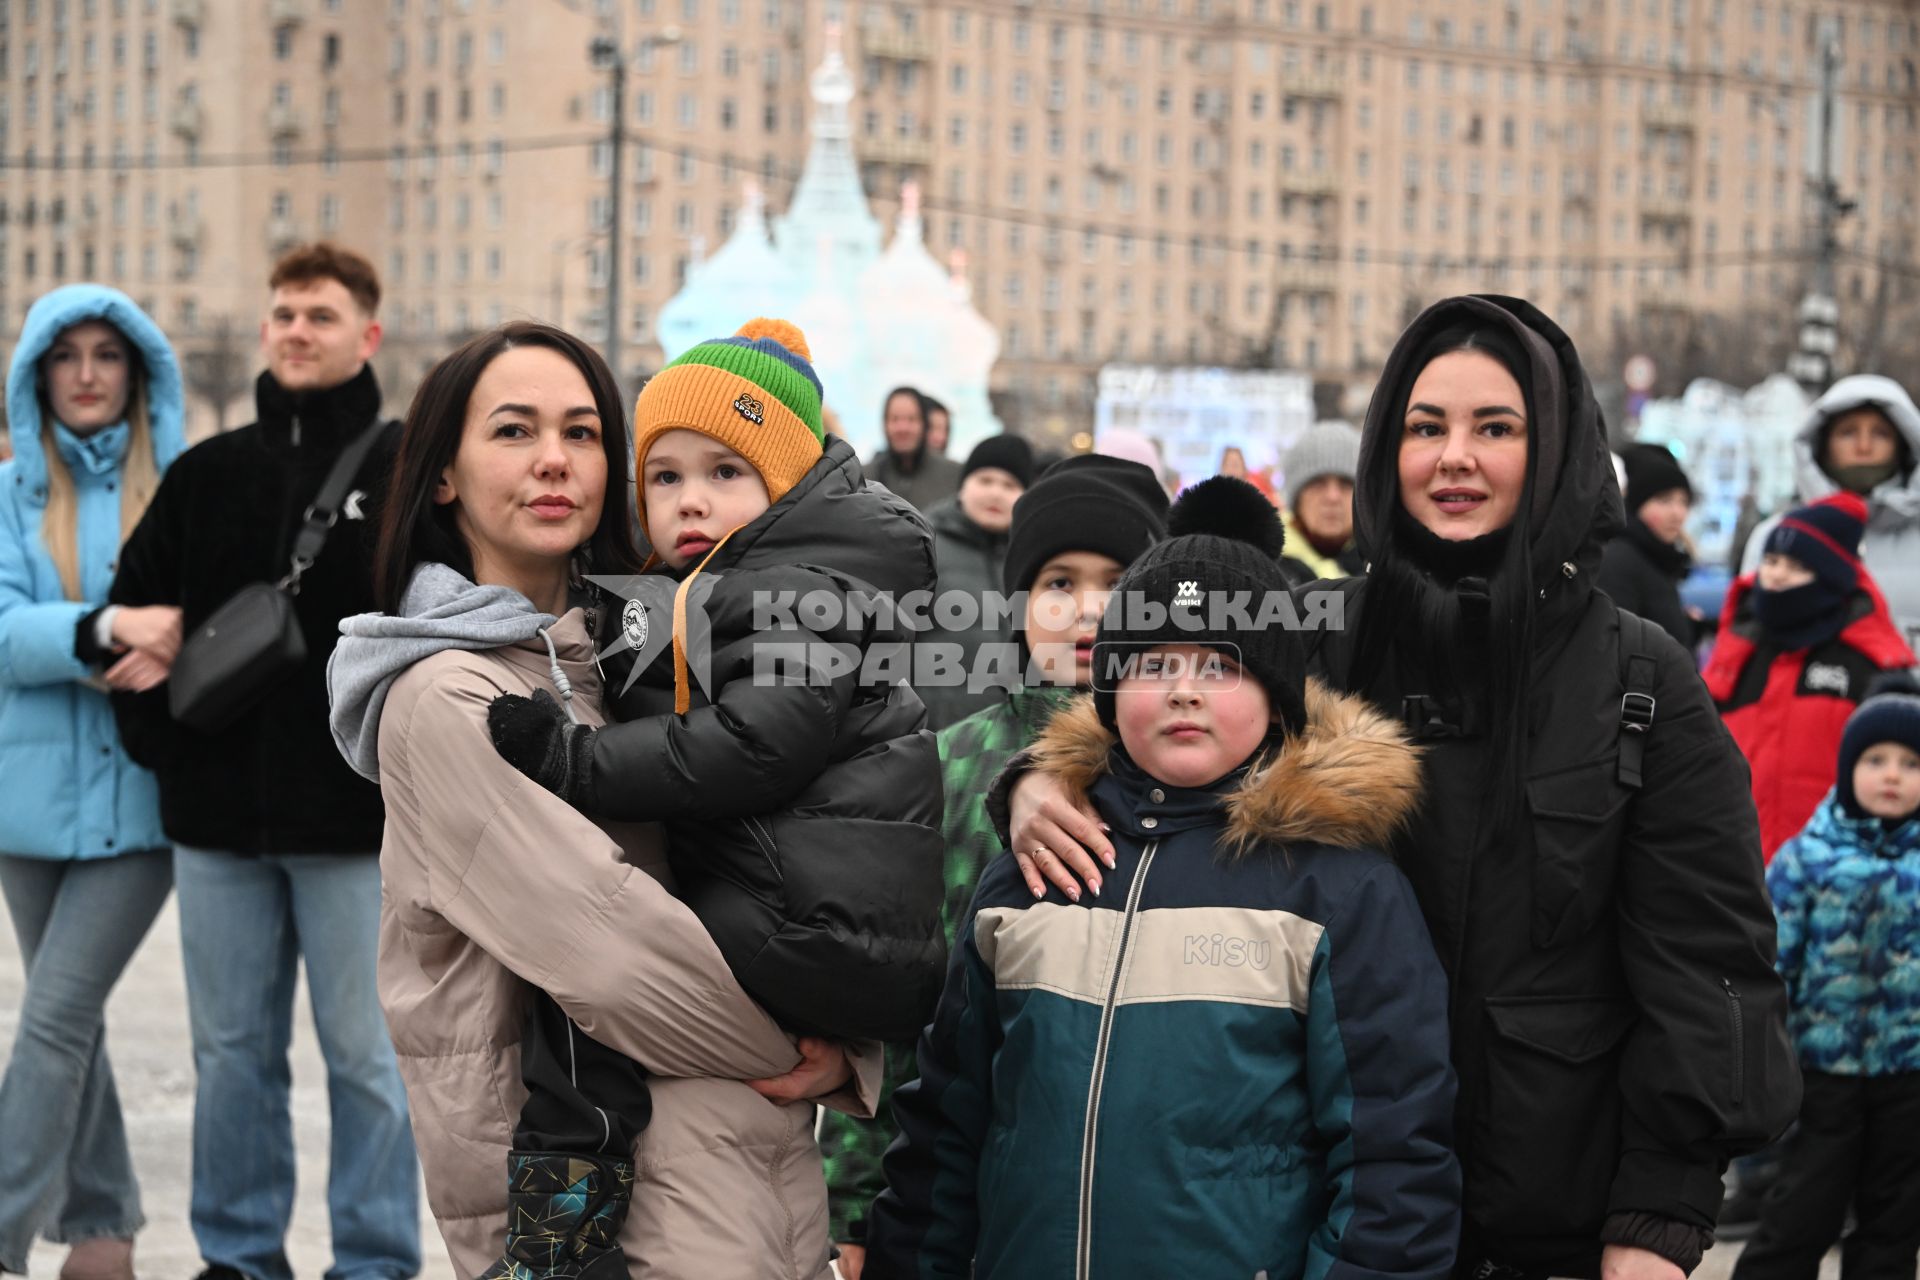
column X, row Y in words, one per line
column 1618, row 1027
column 803, row 817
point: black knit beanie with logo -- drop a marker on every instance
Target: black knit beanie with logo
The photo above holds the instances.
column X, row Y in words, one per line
column 1214, row 582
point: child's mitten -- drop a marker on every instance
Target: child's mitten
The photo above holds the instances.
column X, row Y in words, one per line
column 535, row 737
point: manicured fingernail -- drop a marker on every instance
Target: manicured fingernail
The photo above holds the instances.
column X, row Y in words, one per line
column 1095, row 886
column 1108, row 859
column 1105, row 827
column 1074, row 894
column 1038, row 892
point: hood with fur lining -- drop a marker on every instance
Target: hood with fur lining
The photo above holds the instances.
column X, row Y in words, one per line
column 1349, row 779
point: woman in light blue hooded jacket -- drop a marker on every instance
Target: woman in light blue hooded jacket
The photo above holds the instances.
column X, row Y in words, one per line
column 95, row 406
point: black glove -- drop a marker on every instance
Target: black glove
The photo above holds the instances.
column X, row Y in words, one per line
column 535, row 737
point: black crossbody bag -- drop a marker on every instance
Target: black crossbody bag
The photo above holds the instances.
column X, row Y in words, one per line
column 254, row 641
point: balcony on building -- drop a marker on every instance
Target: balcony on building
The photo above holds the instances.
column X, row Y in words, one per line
column 1667, row 117
column 1310, row 84
column 894, row 149
column 282, row 234
column 1309, row 186
column 283, row 121
column 1661, row 297
column 877, row 41
column 1666, row 209
column 185, row 228
column 189, row 13
column 1305, row 276
column 187, row 119
column 286, row 13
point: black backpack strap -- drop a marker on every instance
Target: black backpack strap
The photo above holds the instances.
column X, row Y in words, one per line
column 1637, row 705
column 324, row 512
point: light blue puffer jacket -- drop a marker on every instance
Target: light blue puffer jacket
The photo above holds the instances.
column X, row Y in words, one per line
column 70, row 790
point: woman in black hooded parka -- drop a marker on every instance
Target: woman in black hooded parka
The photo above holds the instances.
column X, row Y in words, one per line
column 1592, row 881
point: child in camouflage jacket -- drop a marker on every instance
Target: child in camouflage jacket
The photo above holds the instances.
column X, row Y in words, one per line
column 1074, row 533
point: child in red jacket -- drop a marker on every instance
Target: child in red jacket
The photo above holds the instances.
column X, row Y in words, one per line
column 1800, row 641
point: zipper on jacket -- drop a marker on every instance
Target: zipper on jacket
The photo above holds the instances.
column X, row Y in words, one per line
column 296, row 431
column 1083, row 1255
column 1738, row 1018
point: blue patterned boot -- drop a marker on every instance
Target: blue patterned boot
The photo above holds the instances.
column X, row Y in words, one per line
column 564, row 1214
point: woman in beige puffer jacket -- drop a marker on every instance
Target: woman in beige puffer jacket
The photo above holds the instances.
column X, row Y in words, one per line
column 492, row 887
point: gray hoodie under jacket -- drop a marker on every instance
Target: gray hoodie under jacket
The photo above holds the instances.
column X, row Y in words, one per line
column 441, row 610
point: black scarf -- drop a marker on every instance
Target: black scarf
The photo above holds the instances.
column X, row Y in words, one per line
column 1803, row 616
column 1670, row 558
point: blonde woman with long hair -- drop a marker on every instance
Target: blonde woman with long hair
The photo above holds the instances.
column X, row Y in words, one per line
column 95, row 406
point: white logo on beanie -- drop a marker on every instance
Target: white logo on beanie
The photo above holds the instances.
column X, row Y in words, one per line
column 1188, row 596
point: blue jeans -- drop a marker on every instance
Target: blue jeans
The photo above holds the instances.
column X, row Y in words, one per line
column 64, row 1167
column 245, row 923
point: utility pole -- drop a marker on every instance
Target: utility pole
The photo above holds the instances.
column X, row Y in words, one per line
column 616, row 174
column 1812, row 364
column 609, row 53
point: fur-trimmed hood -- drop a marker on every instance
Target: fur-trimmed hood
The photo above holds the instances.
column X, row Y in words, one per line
column 1350, row 779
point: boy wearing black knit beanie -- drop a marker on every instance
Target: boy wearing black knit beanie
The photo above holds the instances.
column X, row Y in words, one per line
column 1233, row 1059
column 1073, row 534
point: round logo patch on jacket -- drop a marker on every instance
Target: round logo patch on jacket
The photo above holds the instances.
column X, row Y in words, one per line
column 633, row 623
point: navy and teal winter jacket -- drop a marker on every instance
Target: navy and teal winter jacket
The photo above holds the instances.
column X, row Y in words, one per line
column 1232, row 1063
column 71, row 790
column 1846, row 891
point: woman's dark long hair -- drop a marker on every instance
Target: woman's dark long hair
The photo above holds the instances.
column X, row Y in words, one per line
column 1413, row 593
column 415, row 530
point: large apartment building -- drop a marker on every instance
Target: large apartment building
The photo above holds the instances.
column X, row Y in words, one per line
column 1273, row 182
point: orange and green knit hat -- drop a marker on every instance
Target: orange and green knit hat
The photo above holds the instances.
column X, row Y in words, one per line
column 755, row 392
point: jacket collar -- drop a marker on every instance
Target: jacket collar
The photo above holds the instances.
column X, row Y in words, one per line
column 1669, row 558
column 1350, row 779
column 331, row 416
column 95, row 456
column 1834, row 824
column 947, row 516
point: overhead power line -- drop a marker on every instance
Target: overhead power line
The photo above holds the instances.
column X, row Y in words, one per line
column 1145, row 236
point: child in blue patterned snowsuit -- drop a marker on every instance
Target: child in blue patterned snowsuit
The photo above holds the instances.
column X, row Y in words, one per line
column 1847, row 894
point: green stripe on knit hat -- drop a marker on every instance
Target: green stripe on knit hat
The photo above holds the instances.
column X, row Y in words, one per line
column 773, row 355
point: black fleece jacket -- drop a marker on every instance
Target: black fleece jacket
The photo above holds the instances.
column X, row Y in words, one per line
column 226, row 515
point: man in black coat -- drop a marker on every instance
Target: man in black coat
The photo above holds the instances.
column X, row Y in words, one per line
column 276, row 840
